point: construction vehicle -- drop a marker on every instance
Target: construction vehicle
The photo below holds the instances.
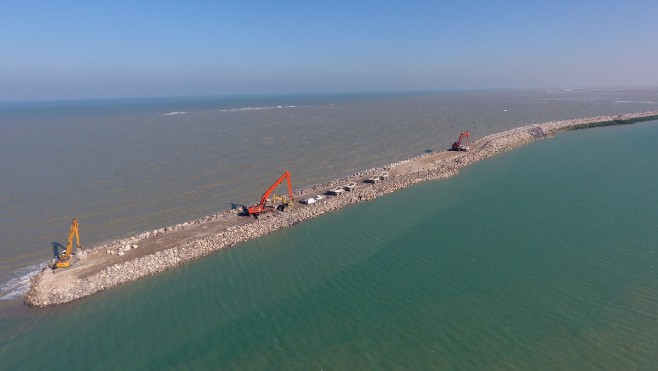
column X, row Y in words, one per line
column 64, row 260
column 281, row 202
column 458, row 145
column 262, row 207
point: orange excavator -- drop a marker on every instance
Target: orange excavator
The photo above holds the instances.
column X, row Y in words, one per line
column 261, row 208
column 458, row 146
column 64, row 260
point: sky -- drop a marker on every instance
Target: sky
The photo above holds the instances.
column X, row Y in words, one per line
column 70, row 49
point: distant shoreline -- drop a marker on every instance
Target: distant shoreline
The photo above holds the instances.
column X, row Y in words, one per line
column 125, row 260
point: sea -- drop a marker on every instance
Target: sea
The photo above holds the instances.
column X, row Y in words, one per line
column 544, row 257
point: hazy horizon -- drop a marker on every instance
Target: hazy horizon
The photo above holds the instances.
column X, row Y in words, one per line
column 339, row 94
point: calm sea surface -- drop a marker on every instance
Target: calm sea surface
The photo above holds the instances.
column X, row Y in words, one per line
column 544, row 257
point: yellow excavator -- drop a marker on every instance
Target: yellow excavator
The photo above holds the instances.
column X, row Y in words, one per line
column 64, row 260
column 284, row 201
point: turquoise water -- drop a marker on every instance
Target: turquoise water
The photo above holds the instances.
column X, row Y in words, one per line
column 544, row 257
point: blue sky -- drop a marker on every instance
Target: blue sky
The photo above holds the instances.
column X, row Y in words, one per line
column 98, row 49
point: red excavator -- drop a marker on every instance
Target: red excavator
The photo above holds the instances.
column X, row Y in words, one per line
column 458, row 146
column 256, row 210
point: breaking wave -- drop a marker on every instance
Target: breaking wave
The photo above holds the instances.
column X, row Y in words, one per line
column 175, row 113
column 634, row 101
column 254, row 108
column 20, row 282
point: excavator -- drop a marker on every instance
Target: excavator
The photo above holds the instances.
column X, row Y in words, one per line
column 283, row 201
column 64, row 260
column 257, row 210
column 458, row 146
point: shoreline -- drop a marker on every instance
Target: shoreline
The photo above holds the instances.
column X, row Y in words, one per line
column 121, row 261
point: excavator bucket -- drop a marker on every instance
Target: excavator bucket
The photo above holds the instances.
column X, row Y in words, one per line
column 63, row 262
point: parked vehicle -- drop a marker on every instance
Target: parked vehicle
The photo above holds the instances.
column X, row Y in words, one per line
column 308, row 201
column 336, row 190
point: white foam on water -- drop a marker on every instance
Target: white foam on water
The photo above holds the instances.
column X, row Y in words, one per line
column 174, row 113
column 254, row 108
column 634, row 101
column 20, row 282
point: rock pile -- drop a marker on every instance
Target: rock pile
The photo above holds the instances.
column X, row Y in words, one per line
column 119, row 244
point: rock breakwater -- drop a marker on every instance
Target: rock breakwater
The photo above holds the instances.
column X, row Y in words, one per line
column 48, row 288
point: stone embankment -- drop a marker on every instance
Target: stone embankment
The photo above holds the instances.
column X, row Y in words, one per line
column 46, row 291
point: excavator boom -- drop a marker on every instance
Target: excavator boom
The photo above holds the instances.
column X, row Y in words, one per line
column 64, row 260
column 257, row 209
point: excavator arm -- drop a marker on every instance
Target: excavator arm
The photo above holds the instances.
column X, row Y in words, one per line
column 64, row 260
column 257, row 209
column 266, row 195
column 462, row 136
